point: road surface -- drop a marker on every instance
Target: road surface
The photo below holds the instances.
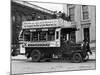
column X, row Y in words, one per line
column 26, row 66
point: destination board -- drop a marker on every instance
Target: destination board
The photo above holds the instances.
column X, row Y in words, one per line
column 41, row 24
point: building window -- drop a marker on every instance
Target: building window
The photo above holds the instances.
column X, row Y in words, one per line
column 24, row 18
column 71, row 13
column 85, row 12
column 29, row 18
column 72, row 36
column 86, row 34
column 33, row 16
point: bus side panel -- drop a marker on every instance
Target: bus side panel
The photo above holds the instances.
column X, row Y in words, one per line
column 44, row 50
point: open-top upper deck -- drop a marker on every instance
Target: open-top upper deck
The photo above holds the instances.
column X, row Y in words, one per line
column 46, row 24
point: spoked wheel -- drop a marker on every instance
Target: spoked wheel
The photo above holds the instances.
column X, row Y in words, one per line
column 76, row 58
column 36, row 55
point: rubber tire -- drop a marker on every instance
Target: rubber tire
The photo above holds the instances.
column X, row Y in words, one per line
column 79, row 58
column 38, row 54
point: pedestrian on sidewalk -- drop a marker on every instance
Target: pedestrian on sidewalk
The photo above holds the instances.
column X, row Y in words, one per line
column 86, row 46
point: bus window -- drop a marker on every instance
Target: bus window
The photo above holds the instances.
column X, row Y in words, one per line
column 51, row 35
column 26, row 36
column 34, row 36
column 57, row 35
column 42, row 36
column 20, row 37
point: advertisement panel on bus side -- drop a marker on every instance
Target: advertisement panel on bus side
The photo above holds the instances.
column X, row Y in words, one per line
column 40, row 24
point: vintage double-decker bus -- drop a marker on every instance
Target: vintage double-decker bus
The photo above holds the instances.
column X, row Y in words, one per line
column 48, row 38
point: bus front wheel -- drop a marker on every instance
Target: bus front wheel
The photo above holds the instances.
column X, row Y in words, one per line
column 76, row 58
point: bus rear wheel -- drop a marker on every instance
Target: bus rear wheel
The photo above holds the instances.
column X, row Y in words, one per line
column 36, row 55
